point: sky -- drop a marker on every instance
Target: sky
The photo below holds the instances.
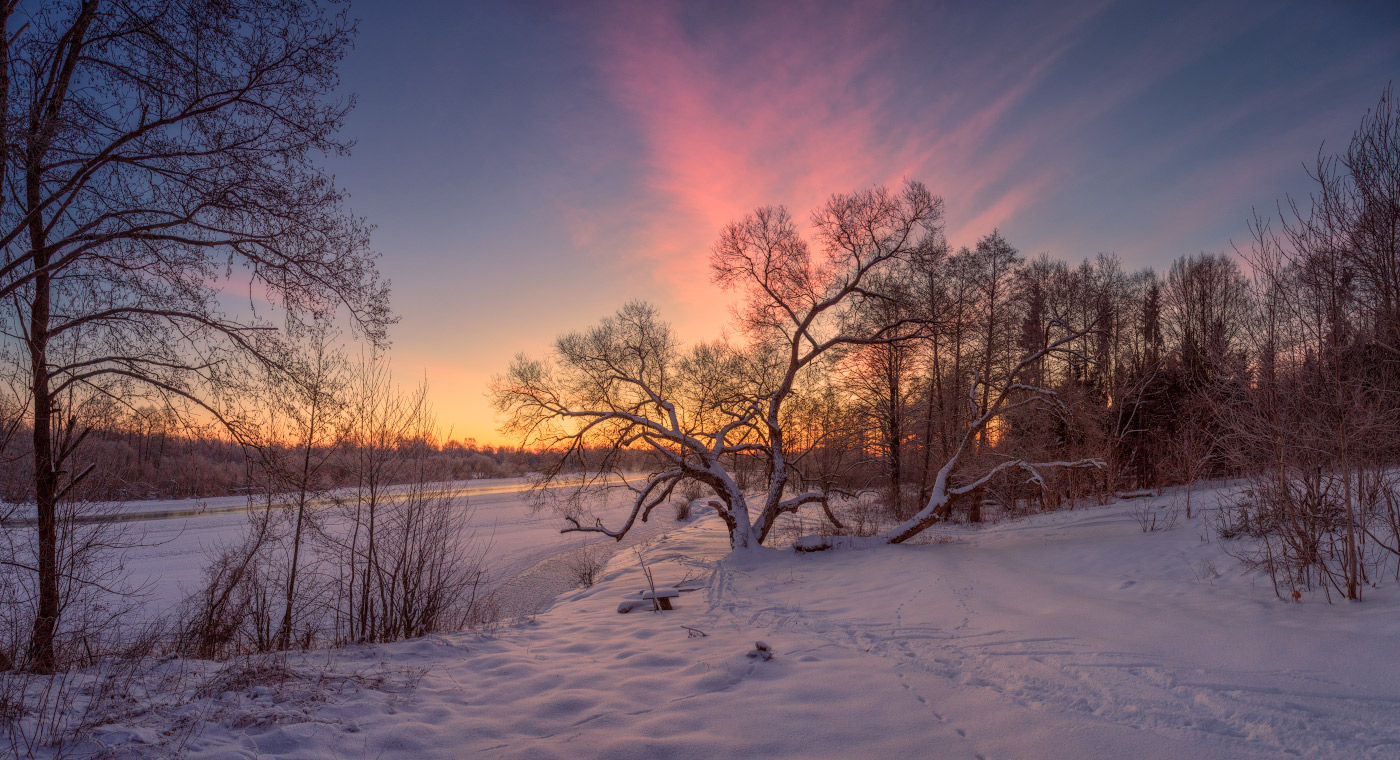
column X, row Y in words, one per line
column 530, row 166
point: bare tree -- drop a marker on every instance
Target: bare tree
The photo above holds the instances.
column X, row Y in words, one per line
column 152, row 150
column 994, row 262
column 378, row 419
column 627, row 383
column 427, row 570
column 406, row 560
column 1320, row 430
column 391, row 556
column 227, row 614
column 794, row 302
column 1206, row 303
column 945, row 294
column 879, row 377
column 1356, row 210
column 312, row 414
column 823, row 425
column 1191, row 450
column 1139, row 404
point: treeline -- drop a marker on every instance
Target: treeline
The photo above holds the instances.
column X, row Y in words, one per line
column 1280, row 364
column 1135, row 386
column 1129, row 384
column 151, row 453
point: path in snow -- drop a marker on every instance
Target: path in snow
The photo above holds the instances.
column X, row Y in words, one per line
column 1082, row 613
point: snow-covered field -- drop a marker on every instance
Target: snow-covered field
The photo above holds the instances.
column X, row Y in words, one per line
column 1066, row 635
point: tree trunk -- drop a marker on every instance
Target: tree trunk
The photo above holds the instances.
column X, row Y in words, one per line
column 896, row 429
column 42, row 124
column 41, row 644
column 42, row 657
column 284, row 636
column 303, row 494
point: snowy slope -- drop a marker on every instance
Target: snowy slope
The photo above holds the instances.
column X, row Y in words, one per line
column 1068, row 635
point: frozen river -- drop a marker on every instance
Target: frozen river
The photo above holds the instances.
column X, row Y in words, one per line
column 521, row 547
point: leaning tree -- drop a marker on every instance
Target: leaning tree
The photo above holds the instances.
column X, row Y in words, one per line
column 157, row 160
column 627, row 384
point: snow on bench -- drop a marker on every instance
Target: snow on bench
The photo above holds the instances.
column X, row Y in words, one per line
column 665, row 593
column 662, row 598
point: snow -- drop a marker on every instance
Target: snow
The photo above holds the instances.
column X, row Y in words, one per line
column 524, row 551
column 1065, row 635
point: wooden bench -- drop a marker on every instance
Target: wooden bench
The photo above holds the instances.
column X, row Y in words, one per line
column 662, row 598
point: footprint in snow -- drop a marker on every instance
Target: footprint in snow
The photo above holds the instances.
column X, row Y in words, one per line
column 922, row 701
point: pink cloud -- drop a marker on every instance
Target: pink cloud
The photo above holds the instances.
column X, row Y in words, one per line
column 726, row 134
column 795, row 105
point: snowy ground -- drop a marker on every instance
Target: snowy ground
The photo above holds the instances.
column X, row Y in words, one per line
column 1067, row 635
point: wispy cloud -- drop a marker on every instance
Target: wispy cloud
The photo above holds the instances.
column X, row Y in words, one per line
column 788, row 105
